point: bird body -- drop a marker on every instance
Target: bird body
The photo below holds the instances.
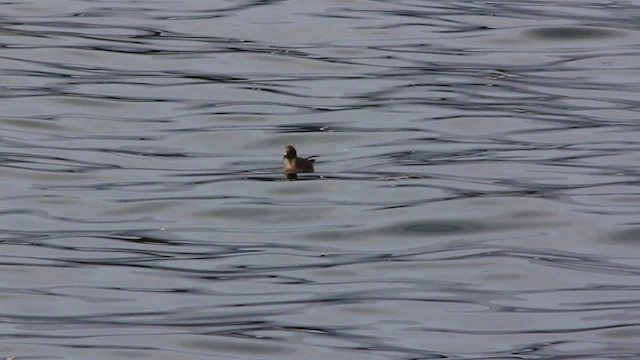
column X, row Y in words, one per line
column 293, row 164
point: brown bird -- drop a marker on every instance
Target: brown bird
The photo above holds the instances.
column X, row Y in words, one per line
column 292, row 164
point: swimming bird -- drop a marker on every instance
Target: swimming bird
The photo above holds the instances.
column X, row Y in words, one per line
column 292, row 164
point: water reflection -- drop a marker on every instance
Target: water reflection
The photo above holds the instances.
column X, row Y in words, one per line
column 476, row 195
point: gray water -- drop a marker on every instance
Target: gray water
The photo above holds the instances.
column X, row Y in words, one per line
column 475, row 197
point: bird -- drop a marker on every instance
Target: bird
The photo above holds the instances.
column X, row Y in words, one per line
column 292, row 164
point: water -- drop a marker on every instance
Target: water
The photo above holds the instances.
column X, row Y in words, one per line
column 476, row 194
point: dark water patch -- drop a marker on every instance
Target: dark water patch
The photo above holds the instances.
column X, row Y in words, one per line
column 630, row 236
column 428, row 229
column 576, row 33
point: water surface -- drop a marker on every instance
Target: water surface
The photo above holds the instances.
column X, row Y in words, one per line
column 476, row 194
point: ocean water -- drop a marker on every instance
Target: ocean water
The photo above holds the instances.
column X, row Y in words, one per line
column 475, row 196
